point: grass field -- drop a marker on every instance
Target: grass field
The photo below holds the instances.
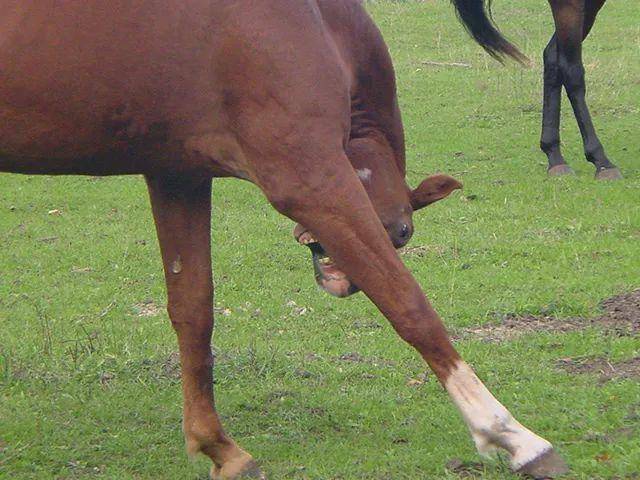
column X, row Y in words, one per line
column 320, row 388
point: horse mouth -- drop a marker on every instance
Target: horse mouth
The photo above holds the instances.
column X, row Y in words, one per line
column 328, row 276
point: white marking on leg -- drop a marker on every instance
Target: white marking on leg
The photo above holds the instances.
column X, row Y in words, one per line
column 490, row 423
column 364, row 174
column 176, row 265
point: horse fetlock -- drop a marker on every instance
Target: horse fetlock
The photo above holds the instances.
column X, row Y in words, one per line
column 549, row 145
column 484, row 444
column 209, row 439
column 522, row 445
column 594, row 151
column 242, row 466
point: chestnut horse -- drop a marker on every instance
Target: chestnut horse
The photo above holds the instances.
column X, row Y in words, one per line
column 296, row 96
column 562, row 67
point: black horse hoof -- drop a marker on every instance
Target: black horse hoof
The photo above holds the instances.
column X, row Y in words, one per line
column 546, row 466
column 609, row 174
column 560, row 170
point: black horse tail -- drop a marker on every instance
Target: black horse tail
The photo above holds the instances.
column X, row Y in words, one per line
column 476, row 17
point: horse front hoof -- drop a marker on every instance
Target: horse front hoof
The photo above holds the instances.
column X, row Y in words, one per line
column 247, row 471
column 609, row 174
column 546, row 466
column 560, row 170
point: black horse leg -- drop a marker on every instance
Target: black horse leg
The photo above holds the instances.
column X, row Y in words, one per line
column 550, row 140
column 593, row 149
column 570, row 30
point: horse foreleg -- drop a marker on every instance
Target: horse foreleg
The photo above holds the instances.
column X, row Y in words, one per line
column 182, row 213
column 334, row 206
column 550, row 139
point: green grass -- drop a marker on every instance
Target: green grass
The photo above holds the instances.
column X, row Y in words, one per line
column 85, row 389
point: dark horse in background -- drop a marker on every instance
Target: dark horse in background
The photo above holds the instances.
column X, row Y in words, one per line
column 562, row 67
column 297, row 97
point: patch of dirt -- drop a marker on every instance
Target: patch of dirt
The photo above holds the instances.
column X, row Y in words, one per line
column 171, row 366
column 312, row 357
column 148, row 308
column 465, row 469
column 166, row 367
column 81, row 269
column 317, row 411
column 279, row 396
column 105, row 378
column 628, row 369
column 634, row 413
column 514, row 326
column 355, row 357
column 352, row 357
column 622, row 314
column 302, row 373
column 621, row 317
column 419, row 380
column 613, row 436
column 81, row 468
column 421, row 251
column 366, row 325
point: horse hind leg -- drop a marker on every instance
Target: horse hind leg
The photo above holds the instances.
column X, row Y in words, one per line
column 182, row 213
column 571, row 30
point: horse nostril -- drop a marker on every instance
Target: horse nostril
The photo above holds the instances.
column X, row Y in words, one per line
column 404, row 231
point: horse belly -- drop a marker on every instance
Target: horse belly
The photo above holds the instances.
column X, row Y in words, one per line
column 116, row 84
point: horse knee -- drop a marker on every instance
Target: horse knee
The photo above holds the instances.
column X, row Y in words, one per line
column 191, row 315
column 419, row 326
column 573, row 77
column 413, row 331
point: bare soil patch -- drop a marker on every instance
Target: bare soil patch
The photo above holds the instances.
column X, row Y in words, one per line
column 171, row 366
column 621, row 317
column 355, row 357
column 465, row 469
column 622, row 314
column 147, row 308
column 606, row 370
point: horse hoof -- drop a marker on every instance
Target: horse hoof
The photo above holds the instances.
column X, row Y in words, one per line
column 560, row 170
column 254, row 472
column 249, row 471
column 609, row 174
column 546, row 466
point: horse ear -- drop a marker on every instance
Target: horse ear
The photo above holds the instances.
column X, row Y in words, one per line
column 433, row 188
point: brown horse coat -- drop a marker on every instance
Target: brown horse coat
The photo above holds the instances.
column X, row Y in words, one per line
column 296, row 96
